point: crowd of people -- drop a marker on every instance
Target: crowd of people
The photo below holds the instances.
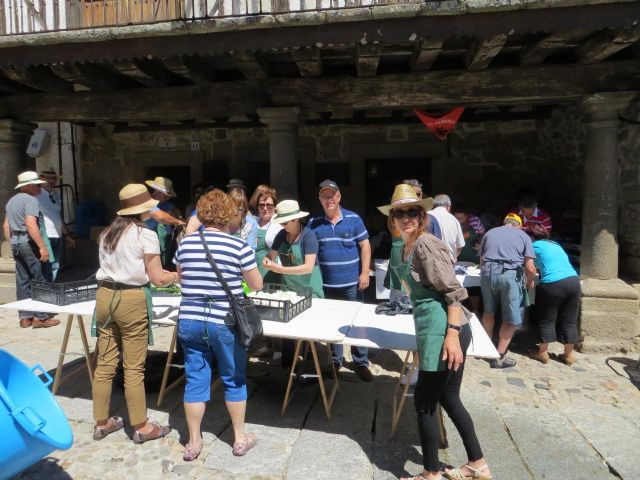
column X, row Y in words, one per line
column 267, row 239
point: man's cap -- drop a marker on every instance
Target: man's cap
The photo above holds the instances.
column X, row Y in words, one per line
column 236, row 183
column 328, row 184
column 513, row 216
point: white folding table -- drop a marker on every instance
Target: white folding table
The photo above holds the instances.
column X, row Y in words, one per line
column 397, row 332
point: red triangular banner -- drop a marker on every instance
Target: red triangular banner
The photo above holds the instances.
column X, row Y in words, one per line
column 441, row 125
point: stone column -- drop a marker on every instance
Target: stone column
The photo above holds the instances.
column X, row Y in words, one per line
column 599, row 250
column 610, row 309
column 282, row 124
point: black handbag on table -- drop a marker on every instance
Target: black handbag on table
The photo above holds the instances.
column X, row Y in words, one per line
column 243, row 316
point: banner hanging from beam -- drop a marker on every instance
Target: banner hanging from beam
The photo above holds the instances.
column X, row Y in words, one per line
column 440, row 125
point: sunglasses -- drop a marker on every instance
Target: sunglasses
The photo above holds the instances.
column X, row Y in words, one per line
column 268, row 206
column 411, row 213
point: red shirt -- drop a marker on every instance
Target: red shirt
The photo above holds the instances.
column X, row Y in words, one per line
column 539, row 217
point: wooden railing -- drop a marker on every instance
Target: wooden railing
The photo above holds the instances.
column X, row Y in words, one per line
column 32, row 16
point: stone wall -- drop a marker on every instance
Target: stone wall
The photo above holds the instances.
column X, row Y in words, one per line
column 629, row 230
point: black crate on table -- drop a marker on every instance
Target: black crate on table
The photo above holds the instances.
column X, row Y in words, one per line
column 282, row 310
column 64, row 293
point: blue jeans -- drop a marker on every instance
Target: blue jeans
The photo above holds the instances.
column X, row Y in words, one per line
column 360, row 354
column 504, row 290
column 50, row 270
column 28, row 267
column 202, row 341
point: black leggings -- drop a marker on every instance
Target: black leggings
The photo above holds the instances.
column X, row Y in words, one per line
column 444, row 388
column 557, row 305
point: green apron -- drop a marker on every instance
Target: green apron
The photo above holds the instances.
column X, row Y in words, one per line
column 291, row 256
column 115, row 300
column 394, row 269
column 164, row 236
column 262, row 251
column 468, row 253
column 45, row 238
column 430, row 319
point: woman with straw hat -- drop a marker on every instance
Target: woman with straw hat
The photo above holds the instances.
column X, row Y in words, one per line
column 442, row 334
column 129, row 259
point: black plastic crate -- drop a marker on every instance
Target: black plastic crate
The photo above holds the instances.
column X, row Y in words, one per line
column 64, row 293
column 282, row 310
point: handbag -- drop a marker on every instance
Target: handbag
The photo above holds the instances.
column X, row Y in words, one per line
column 243, row 315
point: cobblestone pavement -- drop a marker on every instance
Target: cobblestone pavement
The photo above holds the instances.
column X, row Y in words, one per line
column 534, row 421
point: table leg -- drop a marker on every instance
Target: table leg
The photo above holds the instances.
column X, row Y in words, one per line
column 85, row 346
column 397, row 408
column 333, row 368
column 292, row 373
column 63, row 351
column 328, row 402
column 164, row 389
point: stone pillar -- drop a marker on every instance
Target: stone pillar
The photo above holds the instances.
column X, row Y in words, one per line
column 14, row 137
column 282, row 124
column 610, row 314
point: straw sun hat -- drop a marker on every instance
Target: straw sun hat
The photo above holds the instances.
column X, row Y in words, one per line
column 403, row 196
column 135, row 199
column 288, row 210
column 162, row 184
column 28, row 178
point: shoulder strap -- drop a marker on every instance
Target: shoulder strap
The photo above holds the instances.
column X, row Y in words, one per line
column 212, row 262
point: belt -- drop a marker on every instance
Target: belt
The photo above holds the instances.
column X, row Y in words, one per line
column 117, row 285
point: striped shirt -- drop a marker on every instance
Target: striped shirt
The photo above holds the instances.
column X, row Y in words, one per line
column 203, row 297
column 338, row 256
column 476, row 224
column 539, row 217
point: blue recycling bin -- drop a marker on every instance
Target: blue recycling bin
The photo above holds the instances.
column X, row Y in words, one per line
column 32, row 424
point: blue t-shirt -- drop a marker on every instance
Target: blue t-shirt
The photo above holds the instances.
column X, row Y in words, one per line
column 552, row 262
column 307, row 240
column 504, row 248
column 203, row 297
column 338, row 255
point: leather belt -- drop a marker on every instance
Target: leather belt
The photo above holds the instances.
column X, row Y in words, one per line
column 117, row 285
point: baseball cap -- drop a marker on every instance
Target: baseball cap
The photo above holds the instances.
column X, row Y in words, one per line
column 328, row 184
column 513, row 216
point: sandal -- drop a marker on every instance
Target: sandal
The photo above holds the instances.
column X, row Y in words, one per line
column 420, row 477
column 476, row 473
column 191, row 452
column 113, row 424
column 241, row 448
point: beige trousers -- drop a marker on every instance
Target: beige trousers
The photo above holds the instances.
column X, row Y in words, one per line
column 127, row 333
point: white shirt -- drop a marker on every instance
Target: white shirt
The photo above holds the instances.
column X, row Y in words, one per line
column 451, row 230
column 51, row 208
column 272, row 229
column 126, row 263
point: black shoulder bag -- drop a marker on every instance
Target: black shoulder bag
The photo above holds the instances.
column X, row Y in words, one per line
column 243, row 316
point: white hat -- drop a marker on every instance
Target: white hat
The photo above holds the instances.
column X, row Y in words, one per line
column 288, row 210
column 404, row 195
column 28, row 178
column 162, row 184
column 135, row 199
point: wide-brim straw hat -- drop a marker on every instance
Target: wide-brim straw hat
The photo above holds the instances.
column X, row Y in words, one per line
column 135, row 199
column 162, row 184
column 28, row 178
column 288, row 210
column 404, row 196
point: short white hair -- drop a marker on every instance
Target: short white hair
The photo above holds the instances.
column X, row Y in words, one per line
column 441, row 200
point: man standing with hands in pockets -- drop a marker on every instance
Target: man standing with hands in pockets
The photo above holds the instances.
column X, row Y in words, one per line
column 344, row 257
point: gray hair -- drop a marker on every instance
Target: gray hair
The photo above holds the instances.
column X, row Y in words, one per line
column 413, row 182
column 441, row 200
column 511, row 221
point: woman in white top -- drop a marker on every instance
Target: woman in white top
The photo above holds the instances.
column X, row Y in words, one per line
column 129, row 258
column 263, row 204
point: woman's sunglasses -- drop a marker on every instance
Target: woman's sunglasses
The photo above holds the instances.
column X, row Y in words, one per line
column 411, row 213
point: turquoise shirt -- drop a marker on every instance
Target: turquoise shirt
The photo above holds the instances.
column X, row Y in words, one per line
column 552, row 262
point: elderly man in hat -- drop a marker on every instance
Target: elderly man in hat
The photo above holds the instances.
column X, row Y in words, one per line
column 506, row 267
column 21, row 228
column 164, row 217
column 344, row 256
column 51, row 207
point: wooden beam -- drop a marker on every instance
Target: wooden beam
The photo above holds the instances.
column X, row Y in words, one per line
column 367, row 59
column 481, row 52
column 606, row 43
column 9, row 86
column 425, row 53
column 308, row 60
column 39, row 78
column 195, row 70
column 545, row 84
column 131, row 69
column 250, row 64
column 537, row 52
column 92, row 77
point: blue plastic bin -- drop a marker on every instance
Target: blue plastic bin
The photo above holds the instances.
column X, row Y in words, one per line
column 32, row 425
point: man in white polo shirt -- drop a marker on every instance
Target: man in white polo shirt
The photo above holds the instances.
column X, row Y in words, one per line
column 449, row 225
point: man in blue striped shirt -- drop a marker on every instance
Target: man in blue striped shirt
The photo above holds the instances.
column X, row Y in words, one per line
column 344, row 257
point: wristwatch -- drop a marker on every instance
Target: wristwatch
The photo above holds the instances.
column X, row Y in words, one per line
column 455, row 327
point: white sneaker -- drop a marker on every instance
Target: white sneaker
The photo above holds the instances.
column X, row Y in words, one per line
column 413, row 380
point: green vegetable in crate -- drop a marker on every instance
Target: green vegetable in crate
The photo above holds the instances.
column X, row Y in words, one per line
column 170, row 290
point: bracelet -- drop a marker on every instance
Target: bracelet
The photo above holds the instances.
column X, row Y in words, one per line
column 454, row 327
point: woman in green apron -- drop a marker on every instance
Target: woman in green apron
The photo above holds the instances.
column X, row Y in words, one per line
column 263, row 203
column 443, row 335
column 129, row 259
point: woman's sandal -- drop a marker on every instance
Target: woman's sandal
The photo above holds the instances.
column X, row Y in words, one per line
column 191, row 452
column 241, row 448
column 113, row 424
column 476, row 473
